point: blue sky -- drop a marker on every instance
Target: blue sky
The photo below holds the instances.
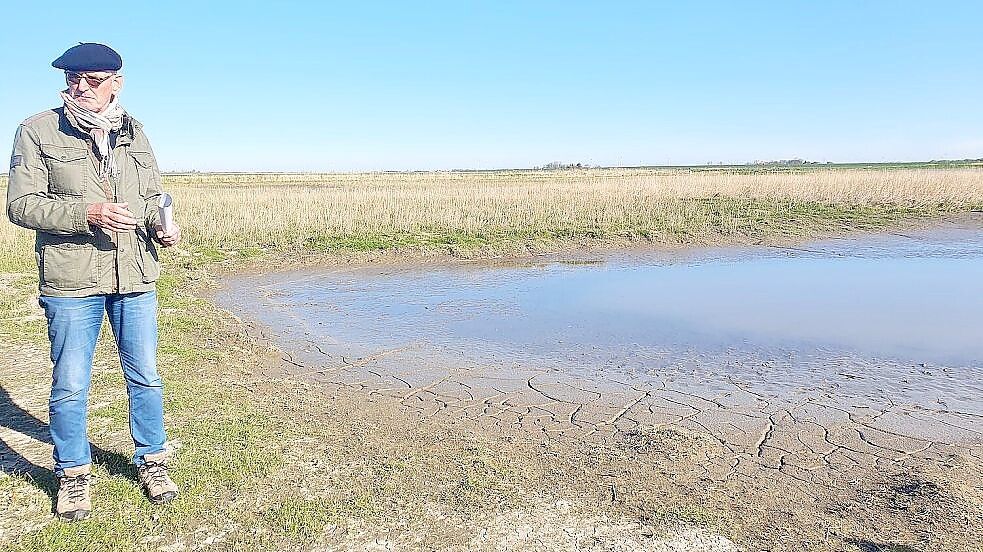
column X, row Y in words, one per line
column 434, row 85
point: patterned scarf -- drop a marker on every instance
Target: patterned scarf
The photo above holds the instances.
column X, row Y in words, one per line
column 99, row 126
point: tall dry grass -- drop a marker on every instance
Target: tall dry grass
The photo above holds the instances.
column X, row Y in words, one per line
column 654, row 204
column 463, row 209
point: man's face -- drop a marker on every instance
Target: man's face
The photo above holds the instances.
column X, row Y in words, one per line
column 93, row 89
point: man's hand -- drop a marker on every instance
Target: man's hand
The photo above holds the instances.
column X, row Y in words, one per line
column 114, row 217
column 171, row 237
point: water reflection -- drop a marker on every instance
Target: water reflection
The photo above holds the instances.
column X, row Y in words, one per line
column 914, row 298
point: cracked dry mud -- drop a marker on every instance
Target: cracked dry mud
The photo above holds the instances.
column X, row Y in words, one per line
column 797, row 460
column 827, row 419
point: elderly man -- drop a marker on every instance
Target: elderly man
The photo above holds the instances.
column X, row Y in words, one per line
column 84, row 178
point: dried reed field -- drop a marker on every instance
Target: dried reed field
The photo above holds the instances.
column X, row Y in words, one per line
column 496, row 208
column 461, row 211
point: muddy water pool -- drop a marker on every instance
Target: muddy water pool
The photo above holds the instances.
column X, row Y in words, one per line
column 884, row 330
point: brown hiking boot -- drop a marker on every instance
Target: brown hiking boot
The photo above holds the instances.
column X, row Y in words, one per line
column 154, row 479
column 73, row 494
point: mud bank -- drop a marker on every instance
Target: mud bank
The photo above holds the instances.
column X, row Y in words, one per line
column 836, row 369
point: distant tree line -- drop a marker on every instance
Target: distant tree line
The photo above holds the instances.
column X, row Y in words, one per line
column 980, row 160
column 556, row 165
column 803, row 162
column 786, row 163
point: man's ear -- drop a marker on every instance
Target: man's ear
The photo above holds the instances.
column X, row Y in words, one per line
column 117, row 84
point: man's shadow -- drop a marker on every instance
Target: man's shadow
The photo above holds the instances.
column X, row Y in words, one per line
column 16, row 418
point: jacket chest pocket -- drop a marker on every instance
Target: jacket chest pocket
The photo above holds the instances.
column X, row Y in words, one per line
column 143, row 164
column 67, row 169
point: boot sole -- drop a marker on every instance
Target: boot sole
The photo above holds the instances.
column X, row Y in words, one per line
column 164, row 498
column 75, row 515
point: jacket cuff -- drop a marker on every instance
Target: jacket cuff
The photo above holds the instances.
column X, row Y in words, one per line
column 81, row 221
column 153, row 219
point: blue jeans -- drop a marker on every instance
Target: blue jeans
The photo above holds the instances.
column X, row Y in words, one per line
column 73, row 328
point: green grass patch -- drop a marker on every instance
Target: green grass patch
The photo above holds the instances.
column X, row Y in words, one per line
column 308, row 517
column 688, row 221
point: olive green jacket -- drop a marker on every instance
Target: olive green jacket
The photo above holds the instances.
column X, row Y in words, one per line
column 54, row 177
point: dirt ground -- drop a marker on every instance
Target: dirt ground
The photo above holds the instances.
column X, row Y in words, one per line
column 611, row 485
column 805, row 478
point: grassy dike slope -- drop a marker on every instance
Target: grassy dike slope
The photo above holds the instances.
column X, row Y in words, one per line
column 268, row 462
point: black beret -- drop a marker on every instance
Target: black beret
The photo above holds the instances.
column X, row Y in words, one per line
column 89, row 56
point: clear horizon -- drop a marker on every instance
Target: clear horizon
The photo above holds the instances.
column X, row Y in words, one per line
column 308, row 87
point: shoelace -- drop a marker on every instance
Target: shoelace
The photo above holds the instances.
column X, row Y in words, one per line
column 156, row 474
column 75, row 487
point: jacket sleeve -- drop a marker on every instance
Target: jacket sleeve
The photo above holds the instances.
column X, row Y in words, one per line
column 151, row 215
column 28, row 202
